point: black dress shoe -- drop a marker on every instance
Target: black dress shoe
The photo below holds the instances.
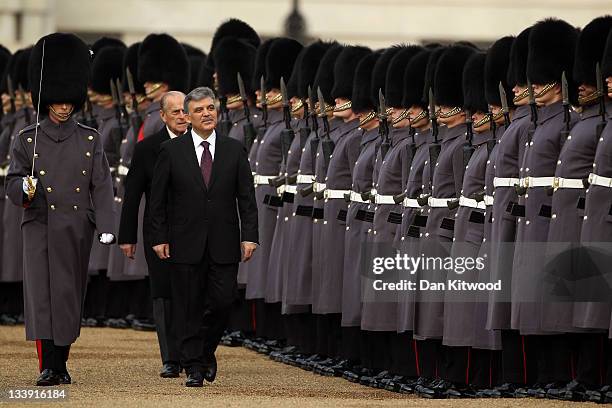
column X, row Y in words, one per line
column 194, row 379
column 506, row 390
column 47, row 377
column 6, row 320
column 210, row 370
column 461, row 391
column 143, row 325
column 64, row 378
column 573, row 391
column 537, row 390
column 170, row 370
column 434, row 390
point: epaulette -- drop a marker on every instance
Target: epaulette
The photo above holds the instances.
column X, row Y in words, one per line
column 28, row 128
column 87, row 127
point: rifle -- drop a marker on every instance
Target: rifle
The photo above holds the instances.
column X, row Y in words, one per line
column 383, row 125
column 327, row 145
column 534, row 111
column 434, row 147
column 115, row 96
column 314, row 142
column 135, row 118
column 248, row 129
column 225, row 124
column 11, row 93
column 287, row 134
column 24, row 104
column 566, row 107
column 602, row 101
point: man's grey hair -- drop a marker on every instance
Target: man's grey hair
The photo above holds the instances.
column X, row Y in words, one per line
column 198, row 94
column 164, row 98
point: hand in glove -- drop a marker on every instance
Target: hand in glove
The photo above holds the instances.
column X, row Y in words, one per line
column 106, row 238
column 29, row 186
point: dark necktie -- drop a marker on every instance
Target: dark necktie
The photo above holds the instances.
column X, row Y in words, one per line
column 206, row 163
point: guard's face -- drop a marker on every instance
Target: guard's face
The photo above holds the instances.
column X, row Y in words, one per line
column 496, row 110
column 518, row 90
column 402, row 123
column 585, row 90
column 295, row 101
column 478, row 116
column 203, row 115
column 416, row 117
column 271, row 95
column 60, row 112
column 346, row 113
column 173, row 114
column 609, row 83
column 548, row 98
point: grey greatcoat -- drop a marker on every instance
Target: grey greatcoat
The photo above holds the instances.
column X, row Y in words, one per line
column 299, row 272
column 243, row 267
column 12, row 266
column 459, row 315
column 320, row 291
column 107, row 126
column 74, row 197
column 532, row 231
column 568, row 205
column 510, row 152
column 483, row 337
column 267, row 163
column 446, row 182
column 358, row 221
column 596, row 230
column 286, row 259
column 339, row 178
column 278, row 257
column 407, row 239
column 6, row 131
column 379, row 313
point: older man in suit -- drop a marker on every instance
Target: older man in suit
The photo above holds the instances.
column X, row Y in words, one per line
column 203, row 215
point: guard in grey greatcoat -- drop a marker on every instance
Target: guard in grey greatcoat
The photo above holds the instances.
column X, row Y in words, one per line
column 279, row 63
column 359, row 214
column 596, row 233
column 551, row 52
column 302, row 77
column 107, row 66
column 518, row 364
column 328, row 324
column 12, row 266
column 408, row 234
column 568, row 203
column 232, row 56
column 446, row 182
column 66, row 195
column 392, row 164
column 460, row 308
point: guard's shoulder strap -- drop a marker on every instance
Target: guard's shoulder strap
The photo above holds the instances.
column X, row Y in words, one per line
column 87, row 127
column 27, row 129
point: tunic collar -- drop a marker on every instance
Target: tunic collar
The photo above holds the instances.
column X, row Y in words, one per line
column 546, row 113
column 58, row 132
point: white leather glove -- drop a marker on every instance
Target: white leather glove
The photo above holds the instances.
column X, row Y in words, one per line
column 106, row 238
column 29, row 186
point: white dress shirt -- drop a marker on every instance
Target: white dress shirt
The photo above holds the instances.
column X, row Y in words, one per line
column 199, row 149
column 172, row 135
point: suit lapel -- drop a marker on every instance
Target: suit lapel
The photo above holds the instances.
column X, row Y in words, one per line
column 218, row 160
column 192, row 159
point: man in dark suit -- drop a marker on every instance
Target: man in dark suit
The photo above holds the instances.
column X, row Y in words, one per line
column 203, row 215
column 137, row 183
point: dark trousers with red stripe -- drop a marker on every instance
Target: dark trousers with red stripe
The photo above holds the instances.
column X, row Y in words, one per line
column 554, row 358
column 403, row 355
column 51, row 356
column 519, row 358
column 428, row 357
column 589, row 362
column 241, row 315
column 467, row 365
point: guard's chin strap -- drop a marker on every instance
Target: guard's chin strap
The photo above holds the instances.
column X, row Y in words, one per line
column 63, row 116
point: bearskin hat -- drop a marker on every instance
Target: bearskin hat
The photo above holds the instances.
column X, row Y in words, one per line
column 232, row 56
column 130, row 60
column 161, row 58
column 414, row 79
column 103, row 42
column 606, row 65
column 66, row 70
column 430, row 72
column 362, row 83
column 323, row 77
column 196, row 58
column 260, row 62
column 473, row 83
column 448, row 79
column 379, row 75
column 344, row 70
column 517, row 68
column 394, row 87
column 232, row 28
column 590, row 49
column 107, row 66
column 496, row 71
column 280, row 60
